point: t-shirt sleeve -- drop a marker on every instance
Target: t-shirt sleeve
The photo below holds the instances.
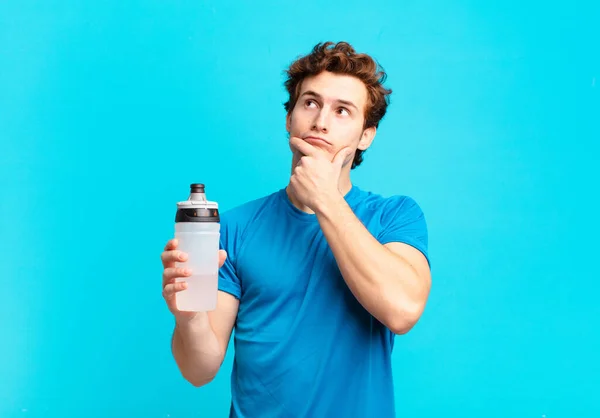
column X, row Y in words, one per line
column 402, row 220
column 228, row 278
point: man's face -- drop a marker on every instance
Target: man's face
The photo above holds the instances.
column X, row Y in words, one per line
column 329, row 114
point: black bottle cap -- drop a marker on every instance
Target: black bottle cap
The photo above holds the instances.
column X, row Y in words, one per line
column 197, row 188
column 197, row 215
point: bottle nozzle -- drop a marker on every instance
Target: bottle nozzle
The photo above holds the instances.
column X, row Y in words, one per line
column 197, row 192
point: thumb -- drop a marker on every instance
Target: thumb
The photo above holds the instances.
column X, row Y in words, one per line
column 222, row 257
column 340, row 157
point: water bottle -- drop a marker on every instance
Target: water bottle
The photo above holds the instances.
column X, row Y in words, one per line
column 197, row 230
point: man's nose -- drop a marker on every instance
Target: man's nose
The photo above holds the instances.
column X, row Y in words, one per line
column 321, row 121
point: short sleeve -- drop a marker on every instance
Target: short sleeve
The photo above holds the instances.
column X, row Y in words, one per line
column 402, row 220
column 228, row 279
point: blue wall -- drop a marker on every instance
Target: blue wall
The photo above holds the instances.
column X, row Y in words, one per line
column 108, row 110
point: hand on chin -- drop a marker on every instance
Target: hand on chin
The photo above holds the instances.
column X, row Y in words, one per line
column 316, row 175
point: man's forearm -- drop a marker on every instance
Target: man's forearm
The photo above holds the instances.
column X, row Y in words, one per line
column 384, row 283
column 196, row 350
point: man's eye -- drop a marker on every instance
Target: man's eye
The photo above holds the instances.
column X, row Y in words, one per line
column 310, row 103
column 343, row 111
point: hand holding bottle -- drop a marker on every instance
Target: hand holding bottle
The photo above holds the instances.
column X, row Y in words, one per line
column 173, row 280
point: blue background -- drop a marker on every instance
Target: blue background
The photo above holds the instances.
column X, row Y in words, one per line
column 108, row 110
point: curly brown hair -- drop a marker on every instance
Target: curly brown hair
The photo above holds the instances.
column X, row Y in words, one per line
column 341, row 58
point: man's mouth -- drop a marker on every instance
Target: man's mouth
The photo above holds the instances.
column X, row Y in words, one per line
column 315, row 140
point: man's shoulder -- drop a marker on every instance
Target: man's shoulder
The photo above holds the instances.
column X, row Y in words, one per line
column 249, row 210
column 386, row 203
column 397, row 218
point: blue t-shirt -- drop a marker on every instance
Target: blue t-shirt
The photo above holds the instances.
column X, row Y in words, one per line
column 304, row 346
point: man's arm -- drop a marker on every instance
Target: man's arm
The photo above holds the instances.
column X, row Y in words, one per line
column 391, row 281
column 199, row 344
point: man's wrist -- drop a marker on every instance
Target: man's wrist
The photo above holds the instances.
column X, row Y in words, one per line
column 329, row 204
column 197, row 323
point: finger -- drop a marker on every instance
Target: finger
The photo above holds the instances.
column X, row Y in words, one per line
column 169, row 258
column 304, row 147
column 171, row 244
column 171, row 273
column 172, row 288
column 222, row 257
column 341, row 158
column 304, row 161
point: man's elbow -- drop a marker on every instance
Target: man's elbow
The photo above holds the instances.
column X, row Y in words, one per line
column 199, row 381
column 403, row 320
column 202, row 377
column 402, row 328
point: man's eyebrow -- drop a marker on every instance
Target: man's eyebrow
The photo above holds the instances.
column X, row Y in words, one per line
column 318, row 96
column 347, row 103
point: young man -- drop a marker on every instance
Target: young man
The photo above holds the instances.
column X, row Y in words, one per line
column 318, row 277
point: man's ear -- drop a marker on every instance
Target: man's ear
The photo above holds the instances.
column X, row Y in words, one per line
column 367, row 138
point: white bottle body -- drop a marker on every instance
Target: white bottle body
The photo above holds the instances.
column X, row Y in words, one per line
column 200, row 240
